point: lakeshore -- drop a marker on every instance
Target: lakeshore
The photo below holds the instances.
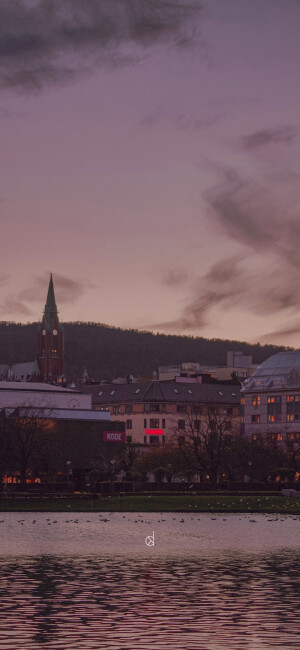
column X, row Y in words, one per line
column 154, row 503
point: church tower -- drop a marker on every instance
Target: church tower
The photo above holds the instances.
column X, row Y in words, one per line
column 51, row 341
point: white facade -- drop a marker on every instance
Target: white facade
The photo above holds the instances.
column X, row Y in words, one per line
column 38, row 395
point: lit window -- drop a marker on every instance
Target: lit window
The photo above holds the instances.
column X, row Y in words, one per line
column 255, row 418
column 256, row 400
column 112, row 392
column 137, row 390
column 274, row 408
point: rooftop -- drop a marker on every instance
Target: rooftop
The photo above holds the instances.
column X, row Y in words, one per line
column 35, row 387
column 164, row 391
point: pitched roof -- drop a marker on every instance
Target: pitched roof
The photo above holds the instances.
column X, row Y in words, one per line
column 163, row 391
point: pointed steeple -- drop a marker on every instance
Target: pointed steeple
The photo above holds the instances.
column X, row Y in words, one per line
column 50, row 305
column 51, row 341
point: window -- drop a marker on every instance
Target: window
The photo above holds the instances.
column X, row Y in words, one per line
column 137, row 390
column 254, row 437
column 128, row 424
column 163, row 423
column 181, row 408
column 256, row 400
column 197, row 410
column 163, row 438
column 154, row 440
column 275, row 436
column 228, row 411
column 145, row 424
column 147, row 408
column 116, row 409
column 129, row 438
column 181, row 440
column 274, row 408
column 228, row 425
column 154, row 423
column 176, row 390
column 292, row 408
column 154, row 408
column 293, row 436
column 145, row 440
column 197, row 425
column 255, row 418
column 112, row 392
column 128, row 408
column 181, row 424
column 190, row 392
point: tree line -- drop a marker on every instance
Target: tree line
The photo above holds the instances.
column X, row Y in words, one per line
column 110, row 352
column 209, row 449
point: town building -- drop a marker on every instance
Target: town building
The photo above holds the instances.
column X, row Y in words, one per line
column 67, row 415
column 238, row 367
column 271, row 399
column 154, row 411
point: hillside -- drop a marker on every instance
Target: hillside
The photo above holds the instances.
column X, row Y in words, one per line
column 109, row 352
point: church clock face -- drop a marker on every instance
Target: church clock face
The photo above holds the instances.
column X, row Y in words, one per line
column 73, row 404
column 54, row 332
column 44, row 332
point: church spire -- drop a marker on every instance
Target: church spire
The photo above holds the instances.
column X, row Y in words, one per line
column 51, row 304
column 51, row 341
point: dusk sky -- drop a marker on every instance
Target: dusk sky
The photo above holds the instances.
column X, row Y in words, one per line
column 150, row 159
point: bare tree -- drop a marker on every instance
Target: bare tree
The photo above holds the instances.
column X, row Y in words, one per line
column 27, row 445
column 206, row 440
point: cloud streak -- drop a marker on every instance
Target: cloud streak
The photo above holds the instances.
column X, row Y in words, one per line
column 284, row 134
column 15, row 308
column 263, row 278
column 53, row 41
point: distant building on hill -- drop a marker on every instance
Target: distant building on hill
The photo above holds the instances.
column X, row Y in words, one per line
column 239, row 366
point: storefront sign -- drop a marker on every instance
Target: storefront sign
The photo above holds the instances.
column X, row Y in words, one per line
column 154, row 432
column 114, row 436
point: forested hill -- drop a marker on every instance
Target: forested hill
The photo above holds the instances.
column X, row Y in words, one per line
column 109, row 352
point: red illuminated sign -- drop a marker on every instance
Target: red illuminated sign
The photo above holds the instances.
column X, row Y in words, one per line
column 114, row 436
column 154, row 432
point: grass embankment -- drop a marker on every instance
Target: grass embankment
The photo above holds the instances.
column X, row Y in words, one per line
column 155, row 503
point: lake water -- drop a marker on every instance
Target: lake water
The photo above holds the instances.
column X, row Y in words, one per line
column 89, row 581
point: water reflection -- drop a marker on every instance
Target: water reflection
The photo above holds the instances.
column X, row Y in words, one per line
column 222, row 601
